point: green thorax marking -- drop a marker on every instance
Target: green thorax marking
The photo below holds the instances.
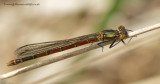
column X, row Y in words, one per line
column 107, row 35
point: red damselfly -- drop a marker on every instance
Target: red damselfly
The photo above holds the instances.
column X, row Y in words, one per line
column 36, row 50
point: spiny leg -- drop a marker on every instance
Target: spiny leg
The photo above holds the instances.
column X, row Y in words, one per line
column 129, row 40
column 99, row 44
column 131, row 37
column 123, row 41
column 113, row 43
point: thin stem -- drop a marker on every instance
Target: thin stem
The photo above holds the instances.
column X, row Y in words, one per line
column 71, row 54
column 143, row 30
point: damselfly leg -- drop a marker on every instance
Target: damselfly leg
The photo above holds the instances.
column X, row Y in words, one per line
column 112, row 45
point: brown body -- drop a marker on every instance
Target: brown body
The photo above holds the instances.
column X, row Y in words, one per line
column 33, row 51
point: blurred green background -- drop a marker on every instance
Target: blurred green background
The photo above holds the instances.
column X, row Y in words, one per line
column 137, row 63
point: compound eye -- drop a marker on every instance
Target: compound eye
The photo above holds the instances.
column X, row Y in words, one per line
column 121, row 26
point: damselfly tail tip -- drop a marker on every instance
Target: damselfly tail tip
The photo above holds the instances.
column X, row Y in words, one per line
column 10, row 63
column 14, row 62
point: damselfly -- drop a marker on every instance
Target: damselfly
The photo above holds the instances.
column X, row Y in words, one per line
column 36, row 50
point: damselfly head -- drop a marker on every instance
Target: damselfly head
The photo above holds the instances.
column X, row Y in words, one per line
column 122, row 32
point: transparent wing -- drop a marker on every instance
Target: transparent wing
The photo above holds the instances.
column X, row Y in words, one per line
column 37, row 48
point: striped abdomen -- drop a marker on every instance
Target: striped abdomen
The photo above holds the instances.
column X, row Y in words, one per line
column 33, row 51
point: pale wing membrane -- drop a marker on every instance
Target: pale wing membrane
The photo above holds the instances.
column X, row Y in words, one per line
column 31, row 47
column 37, row 48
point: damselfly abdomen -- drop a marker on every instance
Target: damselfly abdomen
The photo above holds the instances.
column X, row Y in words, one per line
column 36, row 50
